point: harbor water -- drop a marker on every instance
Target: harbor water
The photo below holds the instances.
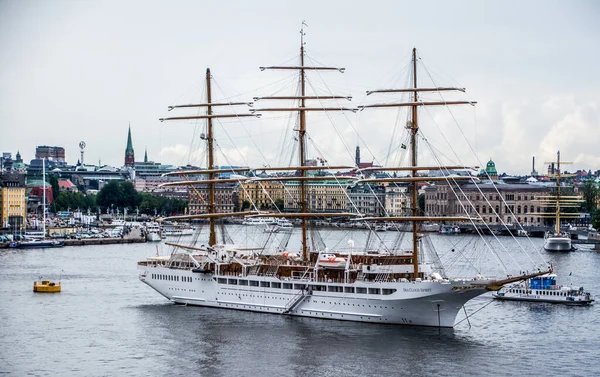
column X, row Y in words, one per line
column 107, row 323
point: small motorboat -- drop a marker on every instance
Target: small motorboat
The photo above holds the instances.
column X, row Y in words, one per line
column 46, row 286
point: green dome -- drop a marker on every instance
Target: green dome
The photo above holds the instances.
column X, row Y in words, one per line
column 491, row 168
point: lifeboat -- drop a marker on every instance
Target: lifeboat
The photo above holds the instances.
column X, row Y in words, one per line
column 46, row 286
column 293, row 256
column 331, row 261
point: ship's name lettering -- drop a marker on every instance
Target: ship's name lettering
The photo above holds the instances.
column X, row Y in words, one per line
column 417, row 289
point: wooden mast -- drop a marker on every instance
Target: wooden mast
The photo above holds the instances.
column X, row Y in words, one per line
column 557, row 225
column 212, row 239
column 302, row 109
column 209, row 137
column 414, row 127
column 301, row 134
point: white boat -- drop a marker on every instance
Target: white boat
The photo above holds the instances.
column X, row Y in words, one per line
column 444, row 229
column 271, row 229
column 557, row 241
column 544, row 289
column 153, row 232
column 259, row 221
column 177, row 231
column 382, row 286
column 284, row 224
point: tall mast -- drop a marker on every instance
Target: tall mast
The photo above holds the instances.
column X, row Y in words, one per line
column 44, row 196
column 301, row 134
column 302, row 109
column 414, row 127
column 211, row 182
column 414, row 103
column 557, row 225
column 212, row 239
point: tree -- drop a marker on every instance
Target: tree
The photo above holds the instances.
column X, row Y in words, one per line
column 55, row 187
column 596, row 221
column 421, row 201
column 590, row 195
column 279, row 203
column 245, row 205
column 118, row 194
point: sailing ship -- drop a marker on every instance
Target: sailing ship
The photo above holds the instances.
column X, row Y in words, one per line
column 39, row 241
column 391, row 286
column 544, row 289
column 559, row 240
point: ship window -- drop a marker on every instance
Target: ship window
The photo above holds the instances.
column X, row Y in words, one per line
column 243, row 282
column 275, row 285
column 318, row 288
column 348, row 289
column 232, row 281
column 374, row 291
column 222, row 281
column 361, row 290
column 253, row 283
column 265, row 284
column 386, row 291
column 287, row 286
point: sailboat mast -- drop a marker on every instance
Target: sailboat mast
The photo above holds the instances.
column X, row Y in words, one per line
column 44, row 196
column 301, row 134
column 557, row 225
column 413, row 151
column 211, row 176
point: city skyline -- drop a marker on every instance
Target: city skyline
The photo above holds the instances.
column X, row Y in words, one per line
column 69, row 75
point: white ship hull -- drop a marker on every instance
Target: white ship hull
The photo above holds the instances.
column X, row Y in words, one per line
column 153, row 237
column 555, row 243
column 426, row 303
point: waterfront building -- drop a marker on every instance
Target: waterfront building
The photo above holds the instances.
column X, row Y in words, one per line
column 225, row 193
column 13, row 202
column 262, row 194
column 366, row 199
column 397, row 199
column 323, row 196
column 508, row 202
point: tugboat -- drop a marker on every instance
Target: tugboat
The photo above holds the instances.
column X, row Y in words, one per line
column 46, row 286
column 544, row 289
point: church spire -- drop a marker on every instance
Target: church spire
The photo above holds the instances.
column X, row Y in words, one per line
column 129, row 154
column 146, row 155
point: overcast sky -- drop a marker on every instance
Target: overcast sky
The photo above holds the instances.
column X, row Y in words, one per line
column 83, row 70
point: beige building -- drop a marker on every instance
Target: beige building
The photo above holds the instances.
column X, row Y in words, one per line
column 13, row 201
column 322, row 196
column 397, row 200
column 262, row 194
column 511, row 202
column 224, row 198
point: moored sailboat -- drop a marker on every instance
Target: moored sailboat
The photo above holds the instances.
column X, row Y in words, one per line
column 394, row 286
column 559, row 240
column 40, row 241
